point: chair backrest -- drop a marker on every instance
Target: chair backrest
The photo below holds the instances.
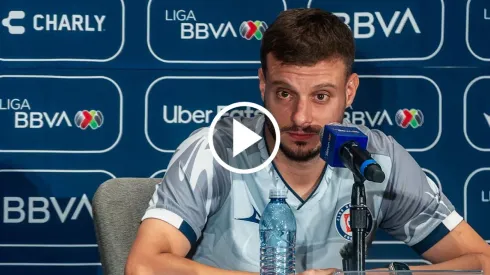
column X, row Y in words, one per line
column 118, row 206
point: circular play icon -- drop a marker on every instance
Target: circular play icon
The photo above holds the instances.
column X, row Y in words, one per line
column 237, row 137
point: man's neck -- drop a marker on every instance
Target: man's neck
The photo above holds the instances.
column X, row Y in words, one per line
column 301, row 176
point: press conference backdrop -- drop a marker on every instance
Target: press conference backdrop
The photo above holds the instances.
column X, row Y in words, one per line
column 92, row 90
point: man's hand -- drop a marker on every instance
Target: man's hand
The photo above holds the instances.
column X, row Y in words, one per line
column 485, row 263
column 328, row 271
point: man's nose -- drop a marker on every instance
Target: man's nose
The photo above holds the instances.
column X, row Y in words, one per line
column 302, row 115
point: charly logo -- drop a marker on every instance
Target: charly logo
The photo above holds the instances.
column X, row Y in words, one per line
column 249, row 29
column 14, row 15
column 342, row 222
column 93, row 119
column 54, row 22
column 412, row 117
column 89, row 31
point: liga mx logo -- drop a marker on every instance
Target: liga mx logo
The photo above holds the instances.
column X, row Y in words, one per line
column 343, row 224
column 412, row 117
column 249, row 29
column 93, row 119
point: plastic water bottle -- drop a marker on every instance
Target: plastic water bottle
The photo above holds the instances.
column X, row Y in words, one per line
column 277, row 236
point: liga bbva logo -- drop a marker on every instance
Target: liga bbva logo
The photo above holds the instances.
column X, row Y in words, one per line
column 191, row 28
column 69, row 114
column 41, row 209
column 93, row 119
column 24, row 117
column 415, row 124
column 224, row 32
column 413, row 118
column 397, row 27
column 255, row 29
column 404, row 118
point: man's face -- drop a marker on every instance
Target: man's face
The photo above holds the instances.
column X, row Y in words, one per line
column 303, row 99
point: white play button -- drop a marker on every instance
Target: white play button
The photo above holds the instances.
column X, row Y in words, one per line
column 242, row 138
column 239, row 136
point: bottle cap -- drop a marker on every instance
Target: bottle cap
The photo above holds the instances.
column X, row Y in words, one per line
column 278, row 193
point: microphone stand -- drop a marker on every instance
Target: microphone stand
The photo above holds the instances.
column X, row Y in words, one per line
column 358, row 222
column 358, row 208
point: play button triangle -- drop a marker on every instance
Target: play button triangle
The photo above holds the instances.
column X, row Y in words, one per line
column 242, row 137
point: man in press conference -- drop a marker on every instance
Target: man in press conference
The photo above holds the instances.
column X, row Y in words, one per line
column 204, row 219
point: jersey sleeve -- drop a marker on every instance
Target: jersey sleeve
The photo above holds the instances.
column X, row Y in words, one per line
column 415, row 209
column 193, row 187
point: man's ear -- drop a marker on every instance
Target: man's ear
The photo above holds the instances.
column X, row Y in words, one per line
column 262, row 83
column 351, row 89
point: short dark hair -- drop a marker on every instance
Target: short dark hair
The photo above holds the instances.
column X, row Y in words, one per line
column 306, row 36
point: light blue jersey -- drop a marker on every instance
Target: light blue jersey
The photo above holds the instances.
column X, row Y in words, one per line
column 219, row 211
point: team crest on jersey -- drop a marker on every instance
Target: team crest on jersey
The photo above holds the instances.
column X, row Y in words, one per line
column 342, row 222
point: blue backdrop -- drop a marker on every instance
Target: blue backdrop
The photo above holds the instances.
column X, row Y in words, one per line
column 91, row 90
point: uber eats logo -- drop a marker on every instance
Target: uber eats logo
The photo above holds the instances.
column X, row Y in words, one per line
column 178, row 114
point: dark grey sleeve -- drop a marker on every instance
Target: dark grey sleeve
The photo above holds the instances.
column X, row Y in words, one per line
column 193, row 188
column 414, row 208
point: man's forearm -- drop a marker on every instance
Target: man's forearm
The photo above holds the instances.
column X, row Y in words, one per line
column 465, row 262
column 170, row 264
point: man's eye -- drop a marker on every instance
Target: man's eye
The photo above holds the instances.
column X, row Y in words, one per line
column 322, row 97
column 283, row 94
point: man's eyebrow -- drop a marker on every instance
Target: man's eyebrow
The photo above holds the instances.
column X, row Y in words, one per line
column 319, row 86
column 281, row 83
column 325, row 85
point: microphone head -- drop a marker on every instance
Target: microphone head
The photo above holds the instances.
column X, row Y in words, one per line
column 333, row 136
column 374, row 173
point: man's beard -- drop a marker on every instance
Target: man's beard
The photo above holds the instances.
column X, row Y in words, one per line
column 298, row 154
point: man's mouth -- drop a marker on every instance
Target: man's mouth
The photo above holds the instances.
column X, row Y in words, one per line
column 301, row 135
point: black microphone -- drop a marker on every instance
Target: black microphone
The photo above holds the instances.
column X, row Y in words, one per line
column 345, row 146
